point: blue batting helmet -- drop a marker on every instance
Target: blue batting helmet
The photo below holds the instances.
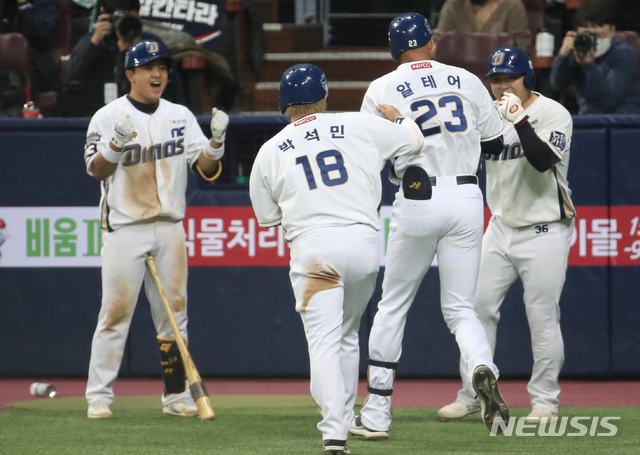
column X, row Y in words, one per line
column 145, row 51
column 512, row 60
column 408, row 31
column 302, row 84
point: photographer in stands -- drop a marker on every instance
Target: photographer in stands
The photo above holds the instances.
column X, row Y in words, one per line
column 604, row 68
column 98, row 59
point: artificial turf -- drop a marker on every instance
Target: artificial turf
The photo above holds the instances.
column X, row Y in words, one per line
column 277, row 426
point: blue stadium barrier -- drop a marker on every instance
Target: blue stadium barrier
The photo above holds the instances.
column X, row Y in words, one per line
column 242, row 319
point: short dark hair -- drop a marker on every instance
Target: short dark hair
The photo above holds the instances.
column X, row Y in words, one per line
column 599, row 13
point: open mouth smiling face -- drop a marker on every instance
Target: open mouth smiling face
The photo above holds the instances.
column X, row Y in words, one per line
column 150, row 80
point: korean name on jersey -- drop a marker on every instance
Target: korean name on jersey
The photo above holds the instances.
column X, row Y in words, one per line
column 451, row 106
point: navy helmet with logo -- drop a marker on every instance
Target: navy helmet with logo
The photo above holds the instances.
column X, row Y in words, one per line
column 408, row 31
column 512, row 60
column 145, row 51
column 302, row 84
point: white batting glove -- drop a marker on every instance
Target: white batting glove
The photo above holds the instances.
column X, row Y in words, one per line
column 510, row 107
column 219, row 123
column 123, row 132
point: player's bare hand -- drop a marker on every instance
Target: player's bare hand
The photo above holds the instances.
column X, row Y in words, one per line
column 389, row 111
column 101, row 28
column 567, row 43
column 510, row 107
column 123, row 132
column 219, row 124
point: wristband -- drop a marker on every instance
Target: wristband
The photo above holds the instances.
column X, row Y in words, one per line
column 521, row 122
column 111, row 155
column 213, row 154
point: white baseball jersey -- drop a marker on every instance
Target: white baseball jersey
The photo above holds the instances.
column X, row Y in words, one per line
column 324, row 170
column 151, row 179
column 516, row 192
column 451, row 106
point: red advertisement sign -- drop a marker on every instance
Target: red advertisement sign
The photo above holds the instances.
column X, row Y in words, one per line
column 231, row 236
column 603, row 236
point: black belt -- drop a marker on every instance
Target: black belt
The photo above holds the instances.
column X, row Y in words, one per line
column 460, row 180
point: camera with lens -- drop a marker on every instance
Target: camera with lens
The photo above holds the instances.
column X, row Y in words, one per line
column 584, row 42
column 128, row 26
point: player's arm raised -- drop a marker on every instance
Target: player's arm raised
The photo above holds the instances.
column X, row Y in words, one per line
column 106, row 161
column 209, row 160
column 536, row 151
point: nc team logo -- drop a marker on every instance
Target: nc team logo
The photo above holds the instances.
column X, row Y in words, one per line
column 153, row 47
column 497, row 59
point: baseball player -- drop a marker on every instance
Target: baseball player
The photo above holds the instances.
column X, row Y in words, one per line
column 438, row 208
column 320, row 179
column 529, row 234
column 140, row 147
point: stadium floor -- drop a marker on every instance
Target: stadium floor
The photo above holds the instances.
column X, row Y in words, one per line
column 407, row 392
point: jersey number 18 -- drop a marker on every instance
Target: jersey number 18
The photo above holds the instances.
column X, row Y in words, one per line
column 325, row 169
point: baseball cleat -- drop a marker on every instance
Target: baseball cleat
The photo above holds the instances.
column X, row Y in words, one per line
column 99, row 410
column 492, row 405
column 335, row 446
column 457, row 410
column 185, row 407
column 358, row 428
column 541, row 415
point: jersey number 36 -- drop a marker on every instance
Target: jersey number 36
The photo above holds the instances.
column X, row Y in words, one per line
column 333, row 173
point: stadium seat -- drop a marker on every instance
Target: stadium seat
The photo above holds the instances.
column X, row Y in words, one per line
column 60, row 47
column 15, row 56
column 61, row 41
column 536, row 13
column 470, row 50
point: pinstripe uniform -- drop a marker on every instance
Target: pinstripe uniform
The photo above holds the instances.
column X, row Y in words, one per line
column 529, row 237
column 142, row 205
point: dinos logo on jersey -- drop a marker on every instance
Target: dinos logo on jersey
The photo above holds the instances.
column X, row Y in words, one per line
column 497, row 59
column 419, row 66
column 305, row 120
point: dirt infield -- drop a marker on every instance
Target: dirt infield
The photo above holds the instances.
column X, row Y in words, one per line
column 407, row 393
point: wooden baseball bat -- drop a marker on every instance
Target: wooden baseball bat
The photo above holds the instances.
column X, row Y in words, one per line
column 198, row 391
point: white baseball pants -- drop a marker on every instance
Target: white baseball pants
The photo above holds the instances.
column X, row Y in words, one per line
column 538, row 255
column 451, row 224
column 124, row 252
column 333, row 275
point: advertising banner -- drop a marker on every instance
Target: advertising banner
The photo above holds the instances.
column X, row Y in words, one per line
column 230, row 236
